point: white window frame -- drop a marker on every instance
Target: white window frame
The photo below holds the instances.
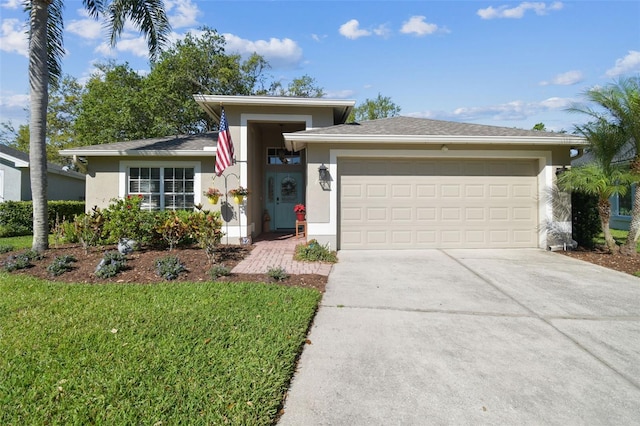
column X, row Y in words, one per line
column 195, row 165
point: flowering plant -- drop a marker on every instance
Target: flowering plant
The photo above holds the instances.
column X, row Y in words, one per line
column 212, row 192
column 239, row 191
column 299, row 208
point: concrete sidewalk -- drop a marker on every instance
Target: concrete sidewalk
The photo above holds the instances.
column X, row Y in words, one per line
column 277, row 249
column 470, row 337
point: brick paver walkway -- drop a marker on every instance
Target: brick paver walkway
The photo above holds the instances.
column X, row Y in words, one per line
column 273, row 250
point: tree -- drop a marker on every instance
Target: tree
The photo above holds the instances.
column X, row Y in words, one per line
column 302, row 87
column 197, row 65
column 113, row 107
column 15, row 138
column 45, row 56
column 539, row 127
column 619, row 103
column 372, row 109
column 601, row 177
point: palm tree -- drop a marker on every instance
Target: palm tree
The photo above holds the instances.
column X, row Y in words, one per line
column 45, row 55
column 601, row 177
column 620, row 102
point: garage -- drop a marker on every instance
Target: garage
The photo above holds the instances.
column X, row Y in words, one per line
column 437, row 203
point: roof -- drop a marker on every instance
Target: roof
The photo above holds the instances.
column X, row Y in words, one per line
column 213, row 104
column 202, row 144
column 625, row 156
column 21, row 160
column 423, row 130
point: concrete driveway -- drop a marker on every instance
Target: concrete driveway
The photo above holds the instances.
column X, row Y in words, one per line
column 470, row 337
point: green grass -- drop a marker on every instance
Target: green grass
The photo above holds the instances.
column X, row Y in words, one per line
column 23, row 242
column 205, row 353
column 618, row 235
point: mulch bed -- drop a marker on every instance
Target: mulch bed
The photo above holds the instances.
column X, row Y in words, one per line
column 627, row 264
column 141, row 266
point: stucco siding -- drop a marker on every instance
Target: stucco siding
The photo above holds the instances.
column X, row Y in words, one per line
column 12, row 183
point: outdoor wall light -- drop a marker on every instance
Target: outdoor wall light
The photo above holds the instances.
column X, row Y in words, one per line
column 323, row 173
column 561, row 170
column 324, row 177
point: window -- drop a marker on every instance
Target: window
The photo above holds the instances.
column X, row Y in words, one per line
column 282, row 156
column 625, row 203
column 170, row 188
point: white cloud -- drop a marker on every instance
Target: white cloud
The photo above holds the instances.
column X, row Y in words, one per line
column 540, row 8
column 182, row 13
column 340, row 94
column 628, row 64
column 416, row 25
column 13, row 37
column 11, row 4
column 280, row 53
column 382, row 31
column 14, row 101
column 318, row 37
column 89, row 28
column 135, row 45
column 510, row 111
column 352, row 30
column 565, row 79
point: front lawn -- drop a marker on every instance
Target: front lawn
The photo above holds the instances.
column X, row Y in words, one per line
column 174, row 353
column 618, row 235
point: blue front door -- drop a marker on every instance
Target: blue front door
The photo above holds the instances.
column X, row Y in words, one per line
column 284, row 190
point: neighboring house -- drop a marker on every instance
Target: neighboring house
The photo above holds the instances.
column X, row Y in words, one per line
column 15, row 184
column 394, row 183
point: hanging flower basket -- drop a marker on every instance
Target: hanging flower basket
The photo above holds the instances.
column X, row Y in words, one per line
column 213, row 194
column 238, row 194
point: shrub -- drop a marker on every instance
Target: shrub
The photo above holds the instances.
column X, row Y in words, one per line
column 17, row 216
column 125, row 219
column 112, row 262
column 22, row 260
column 585, row 219
column 219, row 271
column 315, row 252
column 173, row 230
column 88, row 228
column 277, row 273
column 61, row 264
column 206, row 229
column 5, row 248
column 169, row 267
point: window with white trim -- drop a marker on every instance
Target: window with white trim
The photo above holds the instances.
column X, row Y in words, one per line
column 163, row 188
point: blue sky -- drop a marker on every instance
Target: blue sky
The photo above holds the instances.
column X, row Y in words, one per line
column 492, row 62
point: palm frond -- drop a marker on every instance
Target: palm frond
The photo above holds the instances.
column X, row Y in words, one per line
column 148, row 16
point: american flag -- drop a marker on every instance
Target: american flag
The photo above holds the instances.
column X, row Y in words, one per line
column 224, row 154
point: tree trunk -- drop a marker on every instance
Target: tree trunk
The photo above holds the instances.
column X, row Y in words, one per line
column 39, row 94
column 629, row 247
column 604, row 210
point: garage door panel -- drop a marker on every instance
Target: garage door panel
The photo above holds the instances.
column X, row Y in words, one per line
column 483, row 204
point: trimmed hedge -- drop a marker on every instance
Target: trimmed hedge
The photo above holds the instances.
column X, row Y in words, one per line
column 16, row 217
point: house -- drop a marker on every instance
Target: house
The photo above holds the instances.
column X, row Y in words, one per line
column 15, row 184
column 393, row 183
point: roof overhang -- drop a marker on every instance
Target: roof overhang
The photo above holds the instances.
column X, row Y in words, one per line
column 297, row 141
column 213, row 104
column 17, row 162
column 209, row 152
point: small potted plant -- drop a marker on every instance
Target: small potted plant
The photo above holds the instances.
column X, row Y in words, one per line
column 213, row 194
column 301, row 211
column 238, row 194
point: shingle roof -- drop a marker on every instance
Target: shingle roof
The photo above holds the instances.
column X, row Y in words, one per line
column 23, row 156
column 411, row 126
column 168, row 143
column 52, row 167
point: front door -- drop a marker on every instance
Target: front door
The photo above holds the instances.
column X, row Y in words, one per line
column 284, row 190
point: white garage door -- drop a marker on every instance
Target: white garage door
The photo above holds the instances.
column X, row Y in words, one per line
column 412, row 203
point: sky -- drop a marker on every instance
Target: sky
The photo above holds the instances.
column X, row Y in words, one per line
column 492, row 62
